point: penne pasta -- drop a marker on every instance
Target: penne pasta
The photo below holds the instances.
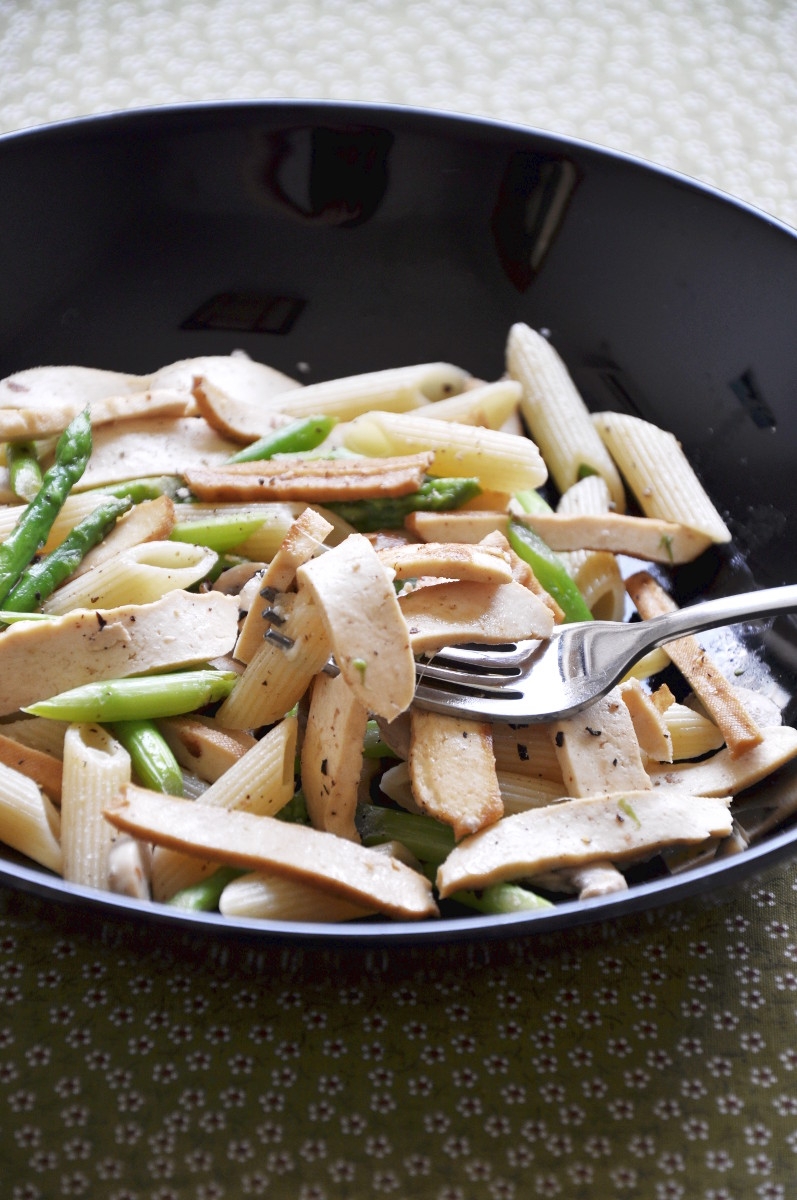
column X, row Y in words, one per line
column 96, row 767
column 140, row 574
column 29, row 822
column 500, row 461
column 556, row 415
column 659, row 474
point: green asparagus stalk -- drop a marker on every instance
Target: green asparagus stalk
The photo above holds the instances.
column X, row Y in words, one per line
column 148, row 487
column 549, row 570
column 24, row 472
column 374, row 746
column 150, row 755
column 388, row 512
column 295, row 811
column 31, row 530
column 204, row 896
column 498, row 899
column 217, row 533
column 295, row 438
column 141, row 697
column 429, row 840
column 40, row 579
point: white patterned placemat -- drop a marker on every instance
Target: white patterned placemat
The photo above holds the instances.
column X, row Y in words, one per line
column 707, row 87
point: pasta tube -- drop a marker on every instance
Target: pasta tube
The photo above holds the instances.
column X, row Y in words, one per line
column 96, row 767
column 556, row 415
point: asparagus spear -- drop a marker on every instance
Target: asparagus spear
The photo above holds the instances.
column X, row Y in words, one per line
column 147, row 487
column 204, row 896
column 388, row 512
column 217, row 533
column 431, row 842
column 150, row 755
column 40, row 579
column 143, row 696
column 549, row 570
column 298, row 436
column 31, row 530
column 501, row 898
column 24, row 472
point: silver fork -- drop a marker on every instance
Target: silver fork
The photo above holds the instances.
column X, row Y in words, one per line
column 532, row 681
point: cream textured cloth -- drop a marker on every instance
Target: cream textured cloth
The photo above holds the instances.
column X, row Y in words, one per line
column 707, row 87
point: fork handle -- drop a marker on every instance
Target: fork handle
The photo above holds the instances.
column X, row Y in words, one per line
column 725, row 610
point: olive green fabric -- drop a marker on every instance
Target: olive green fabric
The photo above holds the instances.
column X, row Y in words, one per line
column 656, row 1057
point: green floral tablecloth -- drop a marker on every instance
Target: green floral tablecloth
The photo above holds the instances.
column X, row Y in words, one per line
column 656, row 1057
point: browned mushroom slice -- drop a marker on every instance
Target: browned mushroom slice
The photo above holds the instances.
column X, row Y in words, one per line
column 649, row 724
column 598, row 750
column 642, row 537
column 452, row 771
column 333, row 864
column 464, row 525
column 332, row 755
column 318, row 480
column 241, row 420
column 450, row 560
column 725, row 773
column 370, row 642
column 618, row 828
column 41, row 401
column 302, row 542
column 718, row 697
column 39, row 659
column 203, row 746
column 161, row 446
column 447, row 613
column 45, row 769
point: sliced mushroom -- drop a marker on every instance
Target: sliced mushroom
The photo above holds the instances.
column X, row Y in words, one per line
column 619, row 828
column 161, row 446
column 39, row 659
column 717, row 695
column 725, row 773
column 448, row 613
column 450, row 560
column 452, row 770
column 370, row 642
column 330, row 863
column 598, row 750
column 641, row 537
column 331, row 758
column 310, row 479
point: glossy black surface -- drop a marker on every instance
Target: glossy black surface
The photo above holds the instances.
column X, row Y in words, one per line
column 346, row 238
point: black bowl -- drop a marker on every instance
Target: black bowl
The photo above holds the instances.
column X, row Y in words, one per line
column 332, row 238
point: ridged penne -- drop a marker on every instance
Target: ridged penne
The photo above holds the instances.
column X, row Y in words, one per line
column 395, row 389
column 556, row 415
column 96, row 767
column 259, row 895
column 29, row 822
column 500, row 461
column 261, row 782
column 659, row 474
column 139, row 575
column 595, row 572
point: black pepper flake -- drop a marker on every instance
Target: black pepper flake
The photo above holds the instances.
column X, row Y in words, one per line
column 324, row 766
column 101, row 620
column 522, row 752
column 593, row 732
column 560, row 738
